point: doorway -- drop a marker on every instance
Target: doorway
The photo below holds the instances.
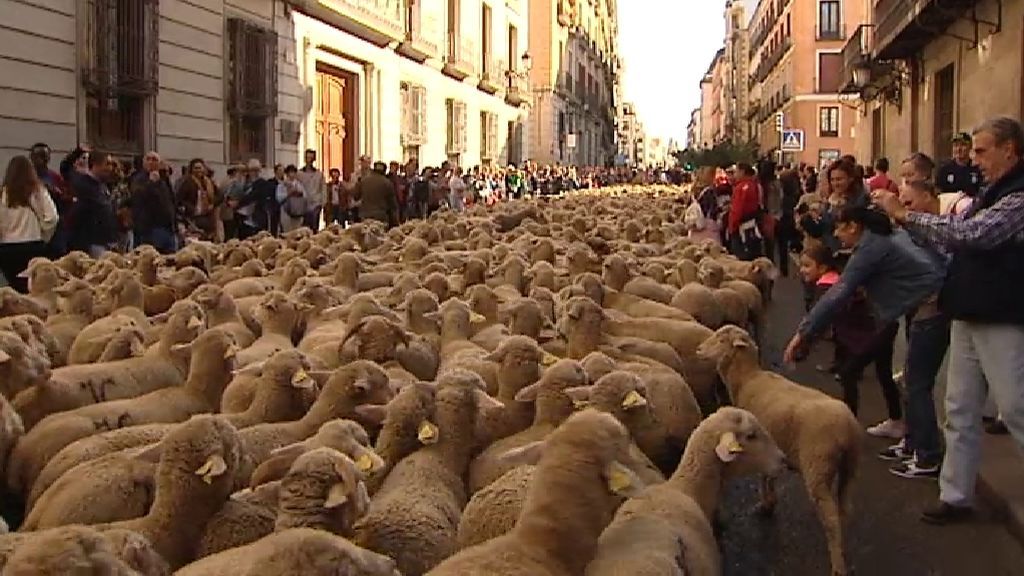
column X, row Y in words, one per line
column 337, row 121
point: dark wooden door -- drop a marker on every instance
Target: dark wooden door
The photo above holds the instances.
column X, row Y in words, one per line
column 336, row 119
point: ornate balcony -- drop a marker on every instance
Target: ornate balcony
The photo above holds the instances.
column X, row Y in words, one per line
column 380, row 22
column 492, row 78
column 904, row 27
column 770, row 61
column 421, row 34
column 460, row 58
column 518, row 92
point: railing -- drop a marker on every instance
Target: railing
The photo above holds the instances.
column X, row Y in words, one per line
column 768, row 64
column 761, row 34
column 832, row 34
column 461, row 53
column 122, row 53
column 855, row 53
column 386, row 16
column 417, row 33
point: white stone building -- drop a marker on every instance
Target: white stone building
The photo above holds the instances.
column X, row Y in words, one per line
column 227, row 80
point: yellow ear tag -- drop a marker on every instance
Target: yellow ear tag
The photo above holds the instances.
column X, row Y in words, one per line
column 477, row 318
column 213, row 467
column 194, row 322
column 580, row 404
column 301, row 379
column 618, row 479
column 735, row 447
column 633, row 400
column 427, row 433
column 230, row 352
column 549, row 359
column 364, row 463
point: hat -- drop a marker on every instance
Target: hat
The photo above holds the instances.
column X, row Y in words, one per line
column 963, row 137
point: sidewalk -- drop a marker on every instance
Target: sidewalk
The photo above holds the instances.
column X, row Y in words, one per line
column 1001, row 481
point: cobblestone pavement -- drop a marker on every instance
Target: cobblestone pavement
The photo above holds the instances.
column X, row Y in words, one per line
column 885, row 536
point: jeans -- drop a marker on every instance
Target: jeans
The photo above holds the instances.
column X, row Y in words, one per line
column 983, row 359
column 880, row 354
column 312, row 220
column 97, row 250
column 160, row 238
column 929, row 339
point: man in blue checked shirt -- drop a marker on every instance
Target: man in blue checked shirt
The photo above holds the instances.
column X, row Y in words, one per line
column 982, row 296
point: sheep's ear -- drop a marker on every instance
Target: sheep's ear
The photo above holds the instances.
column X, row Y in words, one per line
column 580, row 396
column 529, row 454
column 496, row 356
column 435, row 316
column 337, row 496
column 621, row 480
column 547, row 335
column 213, row 467
column 633, row 400
column 4, row 356
column 195, row 323
column 485, row 401
column 728, row 448
column 182, row 348
column 368, row 462
column 428, row 433
column 273, row 468
column 293, row 450
column 374, row 413
column 528, row 394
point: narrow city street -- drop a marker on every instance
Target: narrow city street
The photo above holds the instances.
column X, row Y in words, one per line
column 885, row 535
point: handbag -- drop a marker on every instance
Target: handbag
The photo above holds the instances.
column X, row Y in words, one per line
column 693, row 218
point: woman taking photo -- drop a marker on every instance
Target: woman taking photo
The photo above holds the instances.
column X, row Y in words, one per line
column 28, row 218
column 896, row 277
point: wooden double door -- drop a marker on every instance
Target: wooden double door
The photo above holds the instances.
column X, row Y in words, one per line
column 337, row 119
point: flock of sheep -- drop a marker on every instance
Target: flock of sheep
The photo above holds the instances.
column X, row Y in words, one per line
column 531, row 390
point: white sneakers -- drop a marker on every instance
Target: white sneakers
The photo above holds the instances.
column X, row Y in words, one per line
column 894, row 429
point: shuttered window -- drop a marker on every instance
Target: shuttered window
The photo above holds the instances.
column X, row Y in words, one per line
column 456, row 112
column 414, row 110
column 120, row 73
column 830, row 65
column 251, row 89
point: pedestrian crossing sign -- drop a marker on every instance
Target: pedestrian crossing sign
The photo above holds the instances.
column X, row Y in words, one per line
column 792, row 141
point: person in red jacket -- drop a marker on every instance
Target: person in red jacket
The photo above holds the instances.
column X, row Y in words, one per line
column 745, row 239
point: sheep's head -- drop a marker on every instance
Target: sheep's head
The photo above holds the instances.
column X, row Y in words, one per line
column 710, row 273
column 211, row 297
column 377, row 339
column 519, row 351
column 461, row 394
column 203, row 454
column 616, row 271
column 407, row 421
column 185, row 321
column 655, row 271
column 456, row 316
column 618, row 393
column 185, row 280
column 351, row 439
column 129, row 341
column 21, row 366
column 357, row 384
column 474, row 272
column 560, row 376
column 687, row 272
column 597, row 365
column 277, row 309
column 80, row 550
column 214, row 347
column 483, row 301
column 414, row 250
column 588, row 439
column 75, row 263
column 418, row 304
column 44, row 275
column 741, row 442
column 581, row 313
column 526, row 317
column 253, row 269
column 285, row 368
column 725, row 343
column 591, row 286
column 326, row 477
column 11, row 428
column 12, row 303
column 313, row 294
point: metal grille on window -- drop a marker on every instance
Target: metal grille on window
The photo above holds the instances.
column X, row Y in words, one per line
column 252, row 88
column 120, row 72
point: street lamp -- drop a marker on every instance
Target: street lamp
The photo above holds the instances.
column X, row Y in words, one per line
column 527, row 62
column 861, row 75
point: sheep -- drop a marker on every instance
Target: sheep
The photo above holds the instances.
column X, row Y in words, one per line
column 520, row 360
column 90, row 343
column 630, row 304
column 22, row 366
column 649, row 289
column 733, row 305
column 295, row 552
column 81, row 385
column 12, row 304
column 278, row 316
column 84, row 550
column 377, row 339
column 11, row 429
column 76, row 312
column 211, row 366
column 414, row 516
column 817, row 433
column 406, row 424
column 346, row 436
column 33, row 332
column 699, row 301
column 321, row 489
column 660, row 419
column 582, row 475
column 222, row 312
column 552, row 407
column 128, row 342
column 456, row 350
column 118, row 485
column 673, row 519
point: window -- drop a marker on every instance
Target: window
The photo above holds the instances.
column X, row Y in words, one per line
column 830, row 71
column 252, row 89
column 515, row 143
column 487, row 52
column 120, row 72
column 826, row 157
column 414, row 114
column 828, row 121
column 488, row 136
column 830, row 20
column 513, row 48
column 456, row 117
column 945, row 111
